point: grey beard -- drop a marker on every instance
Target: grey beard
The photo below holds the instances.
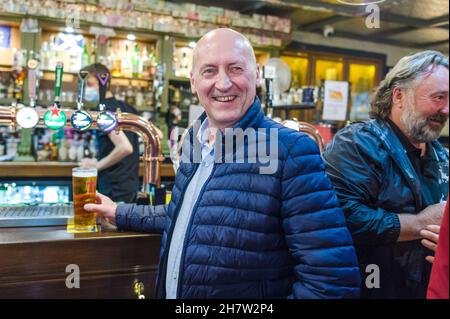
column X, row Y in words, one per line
column 417, row 127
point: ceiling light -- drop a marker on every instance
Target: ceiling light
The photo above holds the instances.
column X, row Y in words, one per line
column 131, row 37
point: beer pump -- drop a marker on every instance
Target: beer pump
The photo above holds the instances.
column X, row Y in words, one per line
column 80, row 119
column 106, row 120
column 54, row 118
column 269, row 75
column 310, row 130
column 26, row 116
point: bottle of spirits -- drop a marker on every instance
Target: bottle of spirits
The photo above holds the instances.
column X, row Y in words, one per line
column 130, row 96
column 84, row 56
column 86, row 149
column 145, row 63
column 152, row 61
column 72, row 141
column 93, row 144
column 93, row 55
column 63, row 152
column 45, row 51
column 117, row 69
column 110, row 59
column 126, row 63
column 140, row 98
column 2, row 144
column 135, row 62
column 52, row 54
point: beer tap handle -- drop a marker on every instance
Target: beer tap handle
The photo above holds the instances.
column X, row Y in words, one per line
column 269, row 97
column 269, row 93
column 81, row 120
column 269, row 74
column 102, row 83
column 32, row 65
column 58, row 82
column 81, row 87
column 106, row 120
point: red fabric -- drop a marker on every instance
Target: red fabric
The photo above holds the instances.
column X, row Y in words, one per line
column 438, row 287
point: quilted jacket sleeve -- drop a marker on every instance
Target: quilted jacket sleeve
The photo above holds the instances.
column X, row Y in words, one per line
column 141, row 218
column 354, row 163
column 315, row 227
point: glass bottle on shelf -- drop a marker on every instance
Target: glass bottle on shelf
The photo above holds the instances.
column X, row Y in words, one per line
column 153, row 63
column 135, row 62
column 53, row 54
column 71, row 141
column 45, row 55
column 80, row 150
column 126, row 63
column 145, row 63
column 140, row 97
column 86, row 148
column 93, row 144
column 2, row 144
column 63, row 152
column 130, row 95
column 117, row 61
column 93, row 55
column 149, row 98
column 110, row 59
column 84, row 56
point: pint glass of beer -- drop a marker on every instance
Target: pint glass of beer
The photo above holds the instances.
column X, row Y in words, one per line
column 84, row 182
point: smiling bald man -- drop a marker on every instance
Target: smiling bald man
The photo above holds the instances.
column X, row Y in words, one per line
column 232, row 229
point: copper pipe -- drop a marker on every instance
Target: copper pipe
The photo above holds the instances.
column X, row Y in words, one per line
column 126, row 121
column 313, row 132
column 310, row 130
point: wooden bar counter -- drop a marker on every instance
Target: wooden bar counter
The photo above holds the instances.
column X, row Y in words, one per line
column 57, row 169
column 33, row 263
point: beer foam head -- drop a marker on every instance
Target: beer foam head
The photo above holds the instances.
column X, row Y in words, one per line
column 84, row 172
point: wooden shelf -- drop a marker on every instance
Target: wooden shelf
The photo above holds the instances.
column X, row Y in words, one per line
column 114, row 77
column 6, row 68
column 7, row 101
column 179, row 79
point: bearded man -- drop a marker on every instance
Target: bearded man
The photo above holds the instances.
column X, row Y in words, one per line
column 391, row 176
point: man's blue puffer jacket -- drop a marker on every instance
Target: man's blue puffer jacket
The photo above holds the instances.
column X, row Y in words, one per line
column 253, row 235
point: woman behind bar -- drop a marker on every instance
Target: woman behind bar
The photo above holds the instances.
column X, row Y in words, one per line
column 118, row 157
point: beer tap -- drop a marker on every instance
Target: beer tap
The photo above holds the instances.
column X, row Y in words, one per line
column 32, row 66
column 26, row 116
column 106, row 120
column 54, row 118
column 80, row 119
column 269, row 74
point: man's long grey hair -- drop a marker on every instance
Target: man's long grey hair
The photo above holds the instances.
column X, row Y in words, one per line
column 403, row 75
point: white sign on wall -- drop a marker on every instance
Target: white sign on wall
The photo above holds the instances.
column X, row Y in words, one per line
column 335, row 100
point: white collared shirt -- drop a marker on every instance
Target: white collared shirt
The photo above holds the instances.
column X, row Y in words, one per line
column 190, row 198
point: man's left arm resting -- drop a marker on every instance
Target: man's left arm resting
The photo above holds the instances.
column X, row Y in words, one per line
column 141, row 218
column 315, row 228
